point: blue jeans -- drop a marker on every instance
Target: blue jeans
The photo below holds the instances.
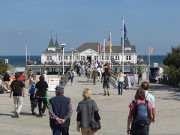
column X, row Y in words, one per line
column 120, row 86
column 58, row 130
column 139, row 130
column 71, row 78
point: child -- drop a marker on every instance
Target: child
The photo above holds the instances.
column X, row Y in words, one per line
column 32, row 99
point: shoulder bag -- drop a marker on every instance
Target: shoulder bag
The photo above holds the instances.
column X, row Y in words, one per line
column 94, row 124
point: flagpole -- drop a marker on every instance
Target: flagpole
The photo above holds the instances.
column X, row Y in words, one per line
column 149, row 56
column 123, row 44
column 104, row 51
column 99, row 52
column 26, row 55
column 110, row 48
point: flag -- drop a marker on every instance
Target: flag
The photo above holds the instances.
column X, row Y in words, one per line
column 99, row 49
column 109, row 39
column 151, row 49
column 111, row 47
column 104, row 46
column 125, row 33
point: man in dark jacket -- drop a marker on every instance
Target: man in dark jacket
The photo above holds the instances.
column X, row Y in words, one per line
column 60, row 111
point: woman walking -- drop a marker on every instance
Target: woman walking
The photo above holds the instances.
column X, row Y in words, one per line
column 41, row 88
column 120, row 81
column 87, row 111
column 140, row 115
column 30, row 77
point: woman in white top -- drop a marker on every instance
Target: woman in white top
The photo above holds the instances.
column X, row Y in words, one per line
column 120, row 81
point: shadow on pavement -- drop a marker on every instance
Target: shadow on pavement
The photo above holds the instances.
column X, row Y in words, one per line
column 10, row 115
column 174, row 95
column 25, row 113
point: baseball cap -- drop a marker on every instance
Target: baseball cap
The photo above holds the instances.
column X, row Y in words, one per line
column 59, row 87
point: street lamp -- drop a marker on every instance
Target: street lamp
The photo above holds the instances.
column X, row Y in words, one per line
column 63, row 45
column 72, row 57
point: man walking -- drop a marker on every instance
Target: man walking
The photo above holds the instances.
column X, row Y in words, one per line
column 105, row 79
column 149, row 97
column 60, row 111
column 140, row 72
column 17, row 88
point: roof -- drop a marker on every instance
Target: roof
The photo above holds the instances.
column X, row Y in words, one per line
column 118, row 49
column 51, row 44
column 95, row 47
column 58, row 50
column 115, row 49
column 127, row 43
column 85, row 46
column 56, row 44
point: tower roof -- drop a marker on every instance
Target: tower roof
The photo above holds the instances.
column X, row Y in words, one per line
column 56, row 43
column 51, row 44
column 127, row 43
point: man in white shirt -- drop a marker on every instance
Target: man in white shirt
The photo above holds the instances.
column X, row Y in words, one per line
column 149, row 97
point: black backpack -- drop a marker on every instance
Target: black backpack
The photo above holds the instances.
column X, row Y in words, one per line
column 16, row 87
column 106, row 77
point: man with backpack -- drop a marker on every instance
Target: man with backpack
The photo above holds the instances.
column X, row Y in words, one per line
column 17, row 88
column 105, row 79
column 149, row 97
column 140, row 115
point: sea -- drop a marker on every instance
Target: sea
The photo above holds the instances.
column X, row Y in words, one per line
column 20, row 61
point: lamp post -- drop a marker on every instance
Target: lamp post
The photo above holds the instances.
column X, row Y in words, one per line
column 63, row 45
column 72, row 57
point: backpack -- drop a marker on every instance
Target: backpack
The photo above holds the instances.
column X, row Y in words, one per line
column 141, row 113
column 16, row 87
column 106, row 77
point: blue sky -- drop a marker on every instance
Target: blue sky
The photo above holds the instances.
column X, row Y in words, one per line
column 29, row 22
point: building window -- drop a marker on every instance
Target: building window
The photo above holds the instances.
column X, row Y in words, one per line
column 115, row 57
column 84, row 58
column 107, row 57
column 129, row 57
column 49, row 57
column 65, row 57
column 118, row 57
column 102, row 57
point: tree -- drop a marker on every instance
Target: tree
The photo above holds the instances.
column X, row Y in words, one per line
column 172, row 64
column 173, row 58
column 3, row 67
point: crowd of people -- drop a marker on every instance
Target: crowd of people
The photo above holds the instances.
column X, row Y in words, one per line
column 141, row 113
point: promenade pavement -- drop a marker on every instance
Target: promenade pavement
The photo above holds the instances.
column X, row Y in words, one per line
column 113, row 111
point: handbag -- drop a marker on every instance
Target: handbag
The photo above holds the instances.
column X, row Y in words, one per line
column 94, row 124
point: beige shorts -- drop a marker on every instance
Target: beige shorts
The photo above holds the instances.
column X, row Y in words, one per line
column 88, row 131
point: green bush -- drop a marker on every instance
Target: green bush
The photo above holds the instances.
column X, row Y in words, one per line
column 3, row 67
column 172, row 66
